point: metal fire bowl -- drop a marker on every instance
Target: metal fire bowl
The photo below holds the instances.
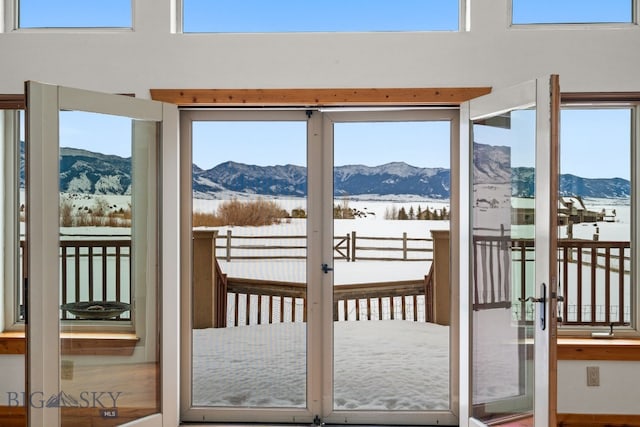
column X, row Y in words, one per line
column 96, row 310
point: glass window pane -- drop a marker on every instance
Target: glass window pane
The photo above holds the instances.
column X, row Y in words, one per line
column 74, row 14
column 571, row 11
column 594, row 217
column 253, row 16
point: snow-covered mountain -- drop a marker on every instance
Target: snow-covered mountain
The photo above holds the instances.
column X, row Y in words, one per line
column 83, row 171
column 87, row 172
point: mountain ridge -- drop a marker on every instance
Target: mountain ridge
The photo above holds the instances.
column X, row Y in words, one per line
column 87, row 172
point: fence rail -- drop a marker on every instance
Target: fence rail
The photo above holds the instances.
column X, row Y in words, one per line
column 348, row 247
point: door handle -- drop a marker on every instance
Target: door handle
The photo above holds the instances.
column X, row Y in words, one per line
column 542, row 300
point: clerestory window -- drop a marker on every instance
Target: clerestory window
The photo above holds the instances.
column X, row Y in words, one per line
column 572, row 12
column 73, row 14
column 285, row 16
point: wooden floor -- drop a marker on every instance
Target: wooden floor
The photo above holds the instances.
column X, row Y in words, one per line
column 137, row 385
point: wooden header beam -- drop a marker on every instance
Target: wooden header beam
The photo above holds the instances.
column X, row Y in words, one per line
column 316, row 97
column 12, row 102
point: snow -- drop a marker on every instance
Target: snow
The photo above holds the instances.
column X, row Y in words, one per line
column 378, row 365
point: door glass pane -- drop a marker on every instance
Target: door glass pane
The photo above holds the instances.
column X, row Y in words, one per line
column 594, row 217
column 503, row 221
column 391, row 184
column 249, row 182
column 108, row 209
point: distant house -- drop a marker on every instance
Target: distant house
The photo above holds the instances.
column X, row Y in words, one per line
column 570, row 209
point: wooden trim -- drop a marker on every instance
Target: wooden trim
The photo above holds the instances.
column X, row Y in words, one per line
column 12, row 102
column 317, row 97
column 12, row 343
column 77, row 344
column 598, row 420
column 13, row 416
column 554, row 168
column 598, row 349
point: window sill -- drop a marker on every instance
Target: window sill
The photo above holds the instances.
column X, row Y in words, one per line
column 623, row 349
column 77, row 344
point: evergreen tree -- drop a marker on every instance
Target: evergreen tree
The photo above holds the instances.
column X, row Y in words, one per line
column 402, row 214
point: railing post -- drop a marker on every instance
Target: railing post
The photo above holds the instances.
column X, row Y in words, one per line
column 404, row 246
column 204, row 279
column 441, row 283
column 353, row 246
column 348, row 248
column 228, row 245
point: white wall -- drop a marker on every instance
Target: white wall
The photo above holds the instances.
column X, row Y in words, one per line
column 152, row 57
column 491, row 54
column 617, row 393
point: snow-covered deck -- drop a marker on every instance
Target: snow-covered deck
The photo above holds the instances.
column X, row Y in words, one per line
column 378, row 365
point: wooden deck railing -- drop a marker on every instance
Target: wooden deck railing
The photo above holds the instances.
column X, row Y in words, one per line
column 250, row 302
column 91, row 270
column 593, row 277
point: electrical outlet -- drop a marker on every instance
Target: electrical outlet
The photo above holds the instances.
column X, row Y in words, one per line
column 593, row 376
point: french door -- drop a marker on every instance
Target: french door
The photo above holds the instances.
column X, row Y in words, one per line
column 101, row 209
column 321, row 313
column 513, row 158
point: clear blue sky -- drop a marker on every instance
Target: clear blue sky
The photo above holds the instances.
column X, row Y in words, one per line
column 75, row 13
column 594, row 143
column 328, row 15
column 585, row 135
column 571, row 11
column 424, row 144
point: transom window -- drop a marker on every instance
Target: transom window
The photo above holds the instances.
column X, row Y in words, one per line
column 74, row 14
column 571, row 11
column 283, row 16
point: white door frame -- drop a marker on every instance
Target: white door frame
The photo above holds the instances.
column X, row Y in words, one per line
column 541, row 93
column 43, row 105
